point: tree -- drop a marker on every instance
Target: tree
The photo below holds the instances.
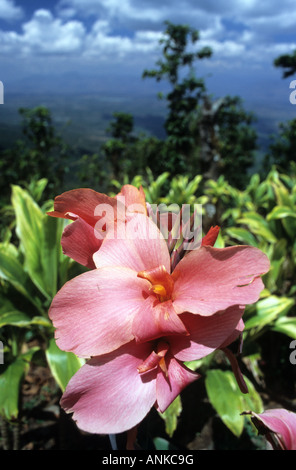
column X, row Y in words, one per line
column 237, row 141
column 41, row 154
column 118, row 148
column 282, row 148
column 178, row 67
column 288, row 62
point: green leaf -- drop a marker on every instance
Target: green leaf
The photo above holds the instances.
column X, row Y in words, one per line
column 287, row 215
column 243, row 235
column 51, row 252
column 258, row 226
column 220, row 243
column 12, row 271
column 170, row 416
column 286, row 325
column 267, row 310
column 29, row 231
column 15, row 318
column 10, row 383
column 228, row 401
column 63, row 365
column 39, row 237
column 9, row 315
column 281, row 212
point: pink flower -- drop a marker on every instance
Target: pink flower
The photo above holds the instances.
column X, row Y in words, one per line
column 134, row 295
column 113, row 392
column 278, row 426
column 93, row 214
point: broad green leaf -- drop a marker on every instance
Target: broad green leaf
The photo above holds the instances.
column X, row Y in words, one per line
column 267, row 310
column 282, row 194
column 171, row 414
column 15, row 318
column 243, row 235
column 51, row 252
column 258, row 226
column 9, row 315
column 29, row 218
column 228, row 401
column 10, row 383
column 12, row 271
column 287, row 215
column 63, row 365
column 281, row 212
column 39, row 237
column 286, row 325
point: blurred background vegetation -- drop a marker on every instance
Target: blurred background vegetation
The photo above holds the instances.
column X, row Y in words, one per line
column 207, row 157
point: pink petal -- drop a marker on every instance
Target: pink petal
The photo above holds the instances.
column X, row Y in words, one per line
column 133, row 198
column 211, row 279
column 83, row 203
column 142, row 249
column 108, row 395
column 153, row 321
column 168, row 388
column 79, row 242
column 234, row 335
column 206, row 333
column 93, row 312
column 279, row 421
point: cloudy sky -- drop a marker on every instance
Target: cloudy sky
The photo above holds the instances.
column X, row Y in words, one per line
column 109, row 43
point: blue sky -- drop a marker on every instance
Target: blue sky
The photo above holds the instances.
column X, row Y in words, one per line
column 62, row 45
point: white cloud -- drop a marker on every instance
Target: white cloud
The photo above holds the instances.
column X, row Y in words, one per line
column 117, row 29
column 8, row 10
column 101, row 43
column 44, row 34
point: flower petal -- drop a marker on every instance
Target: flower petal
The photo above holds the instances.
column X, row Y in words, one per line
column 83, row 203
column 133, row 199
column 93, row 312
column 211, row 237
column 279, row 421
column 170, row 386
column 140, row 247
column 211, row 279
column 206, row 334
column 153, row 321
column 108, row 395
column 79, row 242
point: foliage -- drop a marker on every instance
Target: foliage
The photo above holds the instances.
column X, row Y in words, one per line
column 204, row 160
column 229, row 401
column 262, row 215
column 282, row 147
column 186, row 90
column 34, row 157
column 32, row 269
column 237, row 141
column 287, row 62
